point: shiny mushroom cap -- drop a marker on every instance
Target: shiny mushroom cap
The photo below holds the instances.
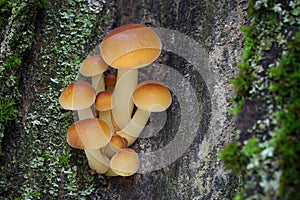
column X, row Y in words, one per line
column 89, row 133
column 77, row 96
column 152, row 96
column 130, row 46
column 118, row 142
column 93, row 65
column 104, row 101
column 125, row 162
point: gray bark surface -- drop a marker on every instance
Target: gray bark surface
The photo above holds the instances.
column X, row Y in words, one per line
column 198, row 173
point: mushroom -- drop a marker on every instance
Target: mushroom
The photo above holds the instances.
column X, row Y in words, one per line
column 104, row 103
column 149, row 96
column 94, row 66
column 110, row 81
column 78, row 96
column 124, row 163
column 116, row 143
column 90, row 135
column 128, row 48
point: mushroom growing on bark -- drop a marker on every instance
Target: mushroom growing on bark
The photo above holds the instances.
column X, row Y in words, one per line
column 124, row 163
column 94, row 66
column 116, row 143
column 78, row 96
column 149, row 96
column 110, row 81
column 104, row 103
column 91, row 134
column 128, row 48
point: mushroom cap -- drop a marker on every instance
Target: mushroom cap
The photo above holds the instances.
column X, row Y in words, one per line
column 130, row 46
column 152, row 96
column 93, row 65
column 110, row 79
column 104, row 101
column 125, row 162
column 91, row 133
column 118, row 141
column 77, row 96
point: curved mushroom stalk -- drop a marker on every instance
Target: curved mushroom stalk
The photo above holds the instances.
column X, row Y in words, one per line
column 127, row 81
column 149, row 96
column 85, row 113
column 107, row 117
column 134, row 128
column 97, row 161
column 98, row 83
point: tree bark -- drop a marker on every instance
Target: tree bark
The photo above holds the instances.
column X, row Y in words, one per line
column 35, row 142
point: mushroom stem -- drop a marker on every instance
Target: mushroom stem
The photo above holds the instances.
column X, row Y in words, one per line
column 85, row 113
column 97, row 161
column 106, row 116
column 98, row 83
column 134, row 128
column 110, row 172
column 126, row 83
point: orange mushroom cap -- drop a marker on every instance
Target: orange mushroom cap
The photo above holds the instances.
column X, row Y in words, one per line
column 130, row 46
column 125, row 162
column 152, row 96
column 91, row 133
column 93, row 65
column 104, row 101
column 77, row 96
column 118, row 141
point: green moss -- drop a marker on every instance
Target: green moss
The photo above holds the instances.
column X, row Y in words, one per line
column 269, row 152
column 45, row 166
column 286, row 88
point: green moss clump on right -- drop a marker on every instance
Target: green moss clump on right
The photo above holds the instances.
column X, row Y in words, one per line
column 268, row 152
column 286, row 88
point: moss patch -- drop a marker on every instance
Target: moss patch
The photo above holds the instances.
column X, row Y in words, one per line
column 268, row 151
column 37, row 162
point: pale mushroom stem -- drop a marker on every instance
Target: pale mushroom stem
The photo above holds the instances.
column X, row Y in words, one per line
column 106, row 116
column 127, row 81
column 85, row 113
column 98, row 83
column 97, row 161
column 134, row 128
column 110, row 172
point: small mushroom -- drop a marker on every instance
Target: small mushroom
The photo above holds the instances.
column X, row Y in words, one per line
column 79, row 96
column 104, row 103
column 149, row 96
column 128, row 48
column 97, row 161
column 116, row 143
column 125, row 162
column 110, row 81
column 91, row 134
column 94, row 66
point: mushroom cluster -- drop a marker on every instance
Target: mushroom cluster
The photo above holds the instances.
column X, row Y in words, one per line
column 114, row 108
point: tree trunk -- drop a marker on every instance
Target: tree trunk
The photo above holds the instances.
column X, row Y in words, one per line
column 204, row 51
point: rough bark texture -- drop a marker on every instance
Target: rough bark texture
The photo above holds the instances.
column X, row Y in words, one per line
column 31, row 143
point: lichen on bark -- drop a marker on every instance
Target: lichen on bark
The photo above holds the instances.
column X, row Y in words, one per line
column 36, row 156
